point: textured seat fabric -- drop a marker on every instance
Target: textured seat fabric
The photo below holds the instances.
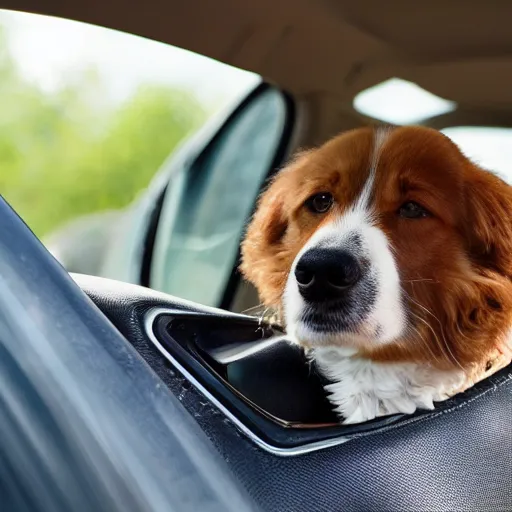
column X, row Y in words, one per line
column 459, row 459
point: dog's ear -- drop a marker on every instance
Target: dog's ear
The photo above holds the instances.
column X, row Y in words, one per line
column 269, row 222
column 265, row 231
column 489, row 207
column 263, row 247
column 266, row 254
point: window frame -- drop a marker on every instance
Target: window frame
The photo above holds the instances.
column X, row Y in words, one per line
column 196, row 148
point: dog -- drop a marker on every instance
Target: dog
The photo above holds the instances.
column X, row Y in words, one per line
column 388, row 255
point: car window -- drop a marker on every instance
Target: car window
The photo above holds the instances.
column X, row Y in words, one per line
column 208, row 205
column 89, row 115
column 489, row 147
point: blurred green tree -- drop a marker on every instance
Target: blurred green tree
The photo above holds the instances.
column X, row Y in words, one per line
column 71, row 153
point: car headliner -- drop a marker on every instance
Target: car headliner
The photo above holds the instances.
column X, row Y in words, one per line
column 458, row 49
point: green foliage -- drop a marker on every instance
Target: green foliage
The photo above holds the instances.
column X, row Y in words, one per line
column 69, row 153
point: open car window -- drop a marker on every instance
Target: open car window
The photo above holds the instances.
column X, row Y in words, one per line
column 89, row 116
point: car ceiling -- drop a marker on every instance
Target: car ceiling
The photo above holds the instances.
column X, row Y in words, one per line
column 458, row 49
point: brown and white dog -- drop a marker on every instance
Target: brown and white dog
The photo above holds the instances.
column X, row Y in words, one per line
column 389, row 255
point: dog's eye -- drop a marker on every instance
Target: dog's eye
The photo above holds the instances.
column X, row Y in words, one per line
column 320, row 203
column 412, row 210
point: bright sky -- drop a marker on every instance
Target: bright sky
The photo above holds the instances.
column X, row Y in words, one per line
column 49, row 50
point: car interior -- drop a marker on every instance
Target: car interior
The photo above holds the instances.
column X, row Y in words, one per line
column 259, row 402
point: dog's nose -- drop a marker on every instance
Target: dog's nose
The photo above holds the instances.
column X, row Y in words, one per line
column 326, row 274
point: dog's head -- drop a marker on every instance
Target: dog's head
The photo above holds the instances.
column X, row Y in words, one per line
column 390, row 242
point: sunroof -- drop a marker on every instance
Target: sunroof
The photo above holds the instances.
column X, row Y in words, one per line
column 401, row 102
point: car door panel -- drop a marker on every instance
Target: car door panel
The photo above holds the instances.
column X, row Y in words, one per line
column 452, row 458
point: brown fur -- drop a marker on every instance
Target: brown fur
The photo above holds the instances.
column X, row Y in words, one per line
column 455, row 266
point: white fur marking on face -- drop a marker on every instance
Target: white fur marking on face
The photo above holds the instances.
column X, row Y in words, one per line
column 380, row 137
column 386, row 320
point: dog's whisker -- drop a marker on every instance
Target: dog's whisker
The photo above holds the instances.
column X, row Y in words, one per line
column 253, row 309
column 446, row 347
column 461, row 333
column 264, row 314
column 423, row 340
column 426, row 343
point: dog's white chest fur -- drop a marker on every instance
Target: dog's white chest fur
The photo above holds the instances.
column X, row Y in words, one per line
column 363, row 389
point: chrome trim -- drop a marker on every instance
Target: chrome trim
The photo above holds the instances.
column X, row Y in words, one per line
column 235, row 352
column 149, row 321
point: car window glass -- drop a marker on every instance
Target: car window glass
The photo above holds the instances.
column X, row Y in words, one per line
column 489, row 147
column 208, row 205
